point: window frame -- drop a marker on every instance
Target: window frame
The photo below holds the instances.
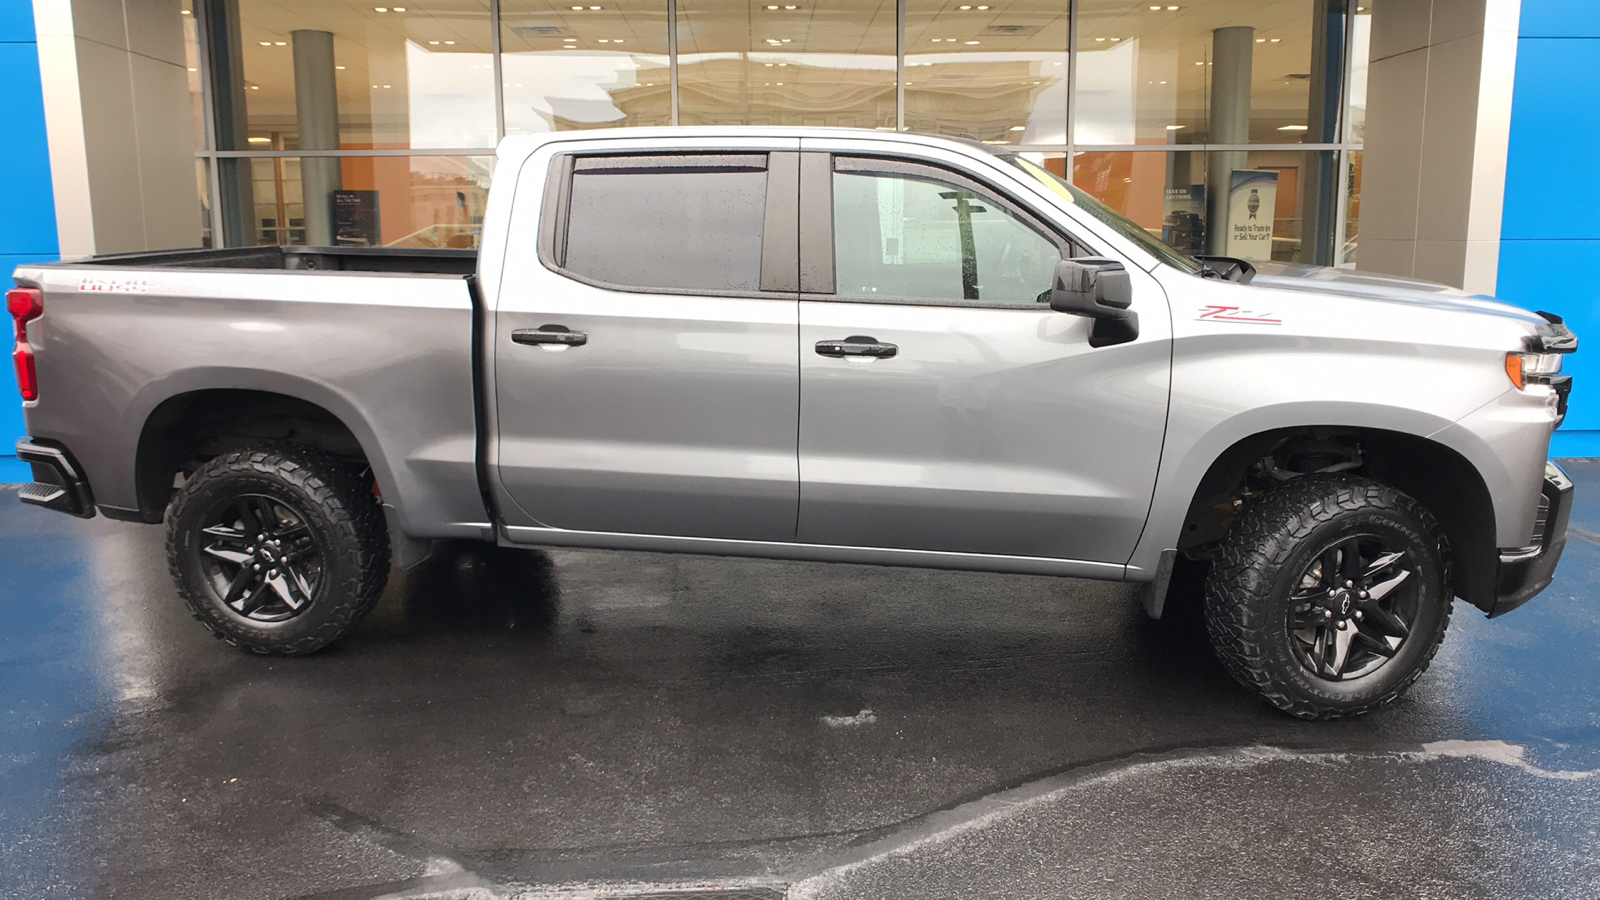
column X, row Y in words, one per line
column 778, row 277
column 818, row 270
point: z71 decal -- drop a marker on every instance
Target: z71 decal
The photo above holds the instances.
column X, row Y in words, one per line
column 115, row 285
column 1235, row 314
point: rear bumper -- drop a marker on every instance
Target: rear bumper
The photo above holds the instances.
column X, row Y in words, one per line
column 1524, row 573
column 58, row 483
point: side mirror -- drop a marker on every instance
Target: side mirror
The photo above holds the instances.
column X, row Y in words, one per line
column 1101, row 290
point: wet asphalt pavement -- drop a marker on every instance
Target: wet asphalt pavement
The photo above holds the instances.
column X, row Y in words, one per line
column 596, row 724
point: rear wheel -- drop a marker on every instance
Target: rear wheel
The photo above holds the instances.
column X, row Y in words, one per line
column 1329, row 596
column 277, row 550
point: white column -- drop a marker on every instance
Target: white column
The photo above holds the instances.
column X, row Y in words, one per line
column 316, row 107
column 1232, row 53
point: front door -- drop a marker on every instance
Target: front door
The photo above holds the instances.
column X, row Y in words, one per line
column 646, row 371
column 943, row 405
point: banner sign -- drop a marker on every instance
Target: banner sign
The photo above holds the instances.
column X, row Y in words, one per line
column 355, row 219
column 1251, row 202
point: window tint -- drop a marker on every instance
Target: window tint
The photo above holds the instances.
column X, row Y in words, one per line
column 685, row 222
column 899, row 236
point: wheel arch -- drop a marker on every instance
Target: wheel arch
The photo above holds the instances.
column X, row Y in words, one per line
column 1204, row 495
column 209, row 410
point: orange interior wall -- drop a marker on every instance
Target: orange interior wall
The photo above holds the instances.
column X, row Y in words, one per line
column 390, row 176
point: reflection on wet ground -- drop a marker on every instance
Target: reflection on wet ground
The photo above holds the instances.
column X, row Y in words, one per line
column 512, row 717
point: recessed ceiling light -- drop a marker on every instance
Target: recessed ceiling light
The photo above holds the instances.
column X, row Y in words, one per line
column 1172, row 9
column 616, row 40
column 434, row 43
column 1294, row 128
column 186, row 12
column 569, row 39
column 1114, row 40
column 1199, row 62
column 339, row 67
column 963, row 7
column 193, row 69
column 773, row 6
column 1019, row 128
column 983, row 7
column 1175, row 127
column 447, row 43
column 594, row 7
column 1099, row 39
column 969, row 43
column 1275, row 40
column 399, row 9
column 1157, row 7
column 255, row 87
column 380, row 9
column 259, row 140
column 1163, row 82
column 579, row 8
column 1261, row 40
column 280, row 43
column 605, row 40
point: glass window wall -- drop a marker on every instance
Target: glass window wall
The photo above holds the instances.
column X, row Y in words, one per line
column 301, row 104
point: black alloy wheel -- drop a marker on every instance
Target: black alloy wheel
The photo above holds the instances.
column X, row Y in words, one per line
column 262, row 560
column 278, row 549
column 1330, row 595
column 1354, row 608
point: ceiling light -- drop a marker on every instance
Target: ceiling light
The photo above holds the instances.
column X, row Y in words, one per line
column 341, row 68
column 399, row 9
column 193, row 69
column 1276, row 40
column 1172, row 9
column 1261, row 40
column 434, row 43
column 969, row 43
column 280, row 43
column 963, row 7
column 616, row 40
column 1199, row 62
column 773, row 6
column 1114, row 40
column 1099, row 39
column 983, row 7
column 1019, row 128
column 1175, row 127
column 380, row 9
column 1294, row 128
column 786, row 40
column 594, row 7
column 569, row 39
column 1156, row 8
column 790, row 6
column 387, row 86
column 255, row 87
column 259, row 140
column 266, row 43
column 447, row 43
column 605, row 40
column 1163, row 82
column 186, row 12
column 578, row 8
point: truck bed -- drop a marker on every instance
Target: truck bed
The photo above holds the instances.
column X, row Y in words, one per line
column 339, row 259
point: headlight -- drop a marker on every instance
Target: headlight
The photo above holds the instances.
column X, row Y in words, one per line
column 1531, row 368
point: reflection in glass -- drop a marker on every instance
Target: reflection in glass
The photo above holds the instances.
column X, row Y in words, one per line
column 998, row 74
column 398, row 78
column 817, row 63
column 1360, row 52
column 1148, row 75
column 1346, row 257
column 390, row 201
column 1166, row 194
column 566, row 69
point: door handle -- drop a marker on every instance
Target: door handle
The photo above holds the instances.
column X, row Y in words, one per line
column 550, row 334
column 857, row 346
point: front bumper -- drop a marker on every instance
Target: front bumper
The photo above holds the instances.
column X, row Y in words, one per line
column 58, row 483
column 1524, row 573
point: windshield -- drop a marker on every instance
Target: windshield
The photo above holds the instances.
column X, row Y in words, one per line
column 1104, row 213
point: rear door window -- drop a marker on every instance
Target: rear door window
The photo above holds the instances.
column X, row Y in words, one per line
column 677, row 223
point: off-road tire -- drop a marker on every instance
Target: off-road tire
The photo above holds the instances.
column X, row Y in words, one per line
column 345, row 519
column 1267, row 549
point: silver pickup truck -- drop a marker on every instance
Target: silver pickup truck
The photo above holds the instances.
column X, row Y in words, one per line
column 813, row 344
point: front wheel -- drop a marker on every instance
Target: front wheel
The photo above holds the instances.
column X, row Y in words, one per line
column 1329, row 596
column 277, row 550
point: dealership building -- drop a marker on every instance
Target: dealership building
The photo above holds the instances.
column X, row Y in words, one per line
column 1441, row 139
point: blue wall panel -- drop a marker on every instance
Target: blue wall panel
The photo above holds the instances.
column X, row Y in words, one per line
column 1550, row 236
column 30, row 232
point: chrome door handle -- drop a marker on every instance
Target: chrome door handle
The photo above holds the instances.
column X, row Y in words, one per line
column 855, row 346
column 550, row 334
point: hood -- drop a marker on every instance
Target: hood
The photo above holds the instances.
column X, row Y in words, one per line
column 1386, row 288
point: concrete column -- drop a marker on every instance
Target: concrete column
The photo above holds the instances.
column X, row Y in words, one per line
column 316, row 107
column 1438, row 126
column 1232, row 54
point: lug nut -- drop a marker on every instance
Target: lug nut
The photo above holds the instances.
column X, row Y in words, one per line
column 1349, row 584
column 1343, row 625
column 1358, row 613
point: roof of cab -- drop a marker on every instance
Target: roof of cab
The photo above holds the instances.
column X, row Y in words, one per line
column 521, row 145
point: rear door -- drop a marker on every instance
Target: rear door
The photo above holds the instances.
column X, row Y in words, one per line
column 943, row 405
column 646, row 371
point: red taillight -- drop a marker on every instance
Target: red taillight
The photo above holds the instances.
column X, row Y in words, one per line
column 25, row 305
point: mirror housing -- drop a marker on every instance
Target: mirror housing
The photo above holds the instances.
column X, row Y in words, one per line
column 1101, row 290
